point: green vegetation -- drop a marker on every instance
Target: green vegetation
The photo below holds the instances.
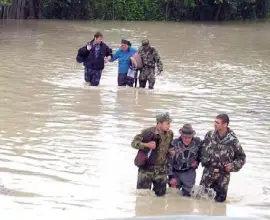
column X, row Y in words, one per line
column 5, row 2
column 174, row 10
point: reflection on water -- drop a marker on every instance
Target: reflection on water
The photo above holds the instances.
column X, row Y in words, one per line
column 65, row 147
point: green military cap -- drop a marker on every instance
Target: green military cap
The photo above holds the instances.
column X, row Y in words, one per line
column 145, row 41
column 162, row 117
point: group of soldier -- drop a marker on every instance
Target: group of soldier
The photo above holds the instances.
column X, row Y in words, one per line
column 96, row 53
column 163, row 160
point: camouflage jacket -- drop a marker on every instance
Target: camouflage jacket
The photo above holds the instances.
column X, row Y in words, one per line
column 184, row 156
column 218, row 152
column 162, row 150
column 151, row 58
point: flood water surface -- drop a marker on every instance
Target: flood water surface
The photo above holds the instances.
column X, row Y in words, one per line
column 65, row 147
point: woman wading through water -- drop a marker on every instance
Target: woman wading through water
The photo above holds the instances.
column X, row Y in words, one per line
column 123, row 55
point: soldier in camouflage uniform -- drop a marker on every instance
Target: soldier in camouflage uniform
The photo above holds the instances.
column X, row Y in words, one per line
column 154, row 171
column 183, row 164
column 150, row 58
column 221, row 154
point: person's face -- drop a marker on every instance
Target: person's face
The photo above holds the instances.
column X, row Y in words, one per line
column 165, row 126
column 186, row 139
column 145, row 46
column 219, row 125
column 124, row 47
column 98, row 40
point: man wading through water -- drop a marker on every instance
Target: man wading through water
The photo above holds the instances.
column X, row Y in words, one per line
column 183, row 164
column 153, row 144
column 221, row 154
column 93, row 55
column 150, row 59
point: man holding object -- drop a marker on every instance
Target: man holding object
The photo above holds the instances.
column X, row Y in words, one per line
column 93, row 56
column 153, row 146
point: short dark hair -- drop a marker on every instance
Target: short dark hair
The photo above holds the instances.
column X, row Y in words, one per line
column 224, row 118
column 98, row 34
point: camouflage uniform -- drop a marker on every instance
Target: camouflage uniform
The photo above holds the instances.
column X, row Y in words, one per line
column 180, row 165
column 150, row 58
column 215, row 154
column 155, row 173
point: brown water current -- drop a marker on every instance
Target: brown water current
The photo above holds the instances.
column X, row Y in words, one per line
column 65, row 147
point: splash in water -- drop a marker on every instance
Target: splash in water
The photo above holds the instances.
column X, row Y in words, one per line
column 200, row 192
column 5, row 191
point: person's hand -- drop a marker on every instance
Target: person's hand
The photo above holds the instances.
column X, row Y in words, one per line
column 171, row 152
column 107, row 59
column 88, row 47
column 150, row 145
column 195, row 164
column 228, row 167
column 173, row 182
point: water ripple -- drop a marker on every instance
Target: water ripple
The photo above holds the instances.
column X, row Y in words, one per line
column 65, row 147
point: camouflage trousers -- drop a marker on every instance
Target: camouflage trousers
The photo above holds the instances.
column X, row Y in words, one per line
column 147, row 74
column 218, row 180
column 156, row 176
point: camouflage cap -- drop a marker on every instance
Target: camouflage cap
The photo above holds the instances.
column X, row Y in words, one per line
column 162, row 117
column 145, row 41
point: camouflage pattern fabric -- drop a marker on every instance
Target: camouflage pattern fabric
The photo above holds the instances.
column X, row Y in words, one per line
column 155, row 174
column 217, row 180
column 184, row 156
column 215, row 154
column 180, row 165
column 163, row 148
column 145, row 41
column 162, row 117
column 150, row 59
column 147, row 75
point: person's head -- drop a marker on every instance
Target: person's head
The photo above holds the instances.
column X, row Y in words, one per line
column 164, row 121
column 221, row 122
column 145, row 44
column 125, row 44
column 98, row 37
column 187, row 133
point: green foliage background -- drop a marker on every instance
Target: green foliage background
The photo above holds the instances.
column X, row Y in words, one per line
column 174, row 10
